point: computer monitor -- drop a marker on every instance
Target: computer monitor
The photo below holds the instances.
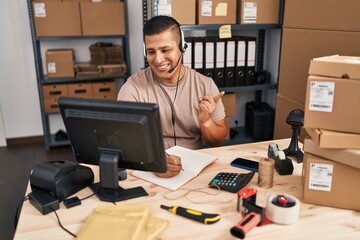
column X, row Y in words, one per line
column 114, row 134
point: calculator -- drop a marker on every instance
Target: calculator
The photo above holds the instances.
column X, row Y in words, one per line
column 231, row 182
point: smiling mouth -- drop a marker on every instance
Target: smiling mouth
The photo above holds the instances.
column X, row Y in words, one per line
column 163, row 67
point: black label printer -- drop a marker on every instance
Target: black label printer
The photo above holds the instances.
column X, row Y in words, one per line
column 52, row 182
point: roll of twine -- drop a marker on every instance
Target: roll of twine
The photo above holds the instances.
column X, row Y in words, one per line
column 266, row 173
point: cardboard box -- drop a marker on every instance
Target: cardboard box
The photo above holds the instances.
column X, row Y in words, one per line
column 184, row 11
column 332, row 139
column 259, row 11
column 104, row 90
column 336, row 66
column 83, row 90
column 56, row 19
column 51, row 105
column 332, row 104
column 284, row 106
column 349, row 157
column 227, row 123
column 217, row 12
column 330, row 183
column 299, row 46
column 229, row 101
column 322, row 14
column 54, row 90
column 104, row 18
column 59, row 63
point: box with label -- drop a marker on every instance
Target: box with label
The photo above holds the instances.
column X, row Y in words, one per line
column 332, row 104
column 56, row 18
column 59, row 63
column 217, row 11
column 332, row 139
column 104, row 90
column 229, row 101
column 102, row 18
column 259, row 11
column 329, row 183
column 349, row 157
column 184, row 11
column 83, row 90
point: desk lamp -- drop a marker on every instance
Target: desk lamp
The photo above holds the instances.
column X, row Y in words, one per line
column 296, row 119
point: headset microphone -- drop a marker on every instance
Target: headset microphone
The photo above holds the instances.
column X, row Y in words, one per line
column 172, row 69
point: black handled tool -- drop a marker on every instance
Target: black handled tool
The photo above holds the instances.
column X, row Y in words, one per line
column 207, row 218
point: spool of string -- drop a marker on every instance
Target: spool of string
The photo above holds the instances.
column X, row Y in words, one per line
column 266, row 173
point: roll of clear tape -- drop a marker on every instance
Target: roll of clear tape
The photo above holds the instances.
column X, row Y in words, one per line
column 280, row 155
column 280, row 214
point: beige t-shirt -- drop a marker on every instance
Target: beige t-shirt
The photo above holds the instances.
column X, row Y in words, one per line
column 145, row 87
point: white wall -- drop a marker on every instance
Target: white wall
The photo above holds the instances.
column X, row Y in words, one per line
column 19, row 99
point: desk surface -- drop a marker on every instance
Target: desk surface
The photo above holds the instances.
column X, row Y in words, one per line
column 315, row 222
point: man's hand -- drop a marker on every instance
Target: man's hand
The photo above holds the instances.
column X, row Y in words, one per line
column 207, row 106
column 174, row 166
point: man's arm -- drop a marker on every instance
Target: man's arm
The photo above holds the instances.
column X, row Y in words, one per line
column 213, row 133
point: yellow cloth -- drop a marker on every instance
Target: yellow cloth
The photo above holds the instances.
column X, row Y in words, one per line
column 131, row 222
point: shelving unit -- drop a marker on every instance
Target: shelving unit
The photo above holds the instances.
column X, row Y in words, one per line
column 49, row 138
column 243, row 136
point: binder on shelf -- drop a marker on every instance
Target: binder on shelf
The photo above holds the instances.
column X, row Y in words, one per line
column 240, row 66
column 209, row 69
column 250, row 61
column 187, row 58
column 198, row 54
column 230, row 63
column 220, row 63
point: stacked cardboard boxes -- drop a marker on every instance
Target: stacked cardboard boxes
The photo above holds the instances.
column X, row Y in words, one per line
column 78, row 18
column 311, row 29
column 332, row 155
column 218, row 11
column 98, row 90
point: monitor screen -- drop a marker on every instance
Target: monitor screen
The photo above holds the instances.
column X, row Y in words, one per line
column 114, row 135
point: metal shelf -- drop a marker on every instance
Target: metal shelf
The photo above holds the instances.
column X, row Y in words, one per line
column 49, row 139
column 258, row 87
column 215, row 27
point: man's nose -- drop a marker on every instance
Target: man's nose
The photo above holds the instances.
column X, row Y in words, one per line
column 159, row 57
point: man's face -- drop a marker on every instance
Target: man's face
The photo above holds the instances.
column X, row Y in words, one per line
column 163, row 53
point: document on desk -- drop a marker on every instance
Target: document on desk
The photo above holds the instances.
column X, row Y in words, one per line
column 193, row 162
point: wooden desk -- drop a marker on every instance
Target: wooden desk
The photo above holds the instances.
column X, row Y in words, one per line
column 315, row 222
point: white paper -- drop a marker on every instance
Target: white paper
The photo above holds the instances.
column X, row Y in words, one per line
column 193, row 162
column 206, row 8
column 39, row 9
column 320, row 176
column 51, row 67
column 250, row 12
column 321, row 96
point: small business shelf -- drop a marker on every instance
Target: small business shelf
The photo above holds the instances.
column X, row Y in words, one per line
column 79, row 37
column 233, row 26
column 256, row 87
column 79, row 80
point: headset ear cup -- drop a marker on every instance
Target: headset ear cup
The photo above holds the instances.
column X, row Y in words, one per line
column 183, row 44
column 144, row 48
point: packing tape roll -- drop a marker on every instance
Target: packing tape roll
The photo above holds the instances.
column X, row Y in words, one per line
column 279, row 212
column 280, row 155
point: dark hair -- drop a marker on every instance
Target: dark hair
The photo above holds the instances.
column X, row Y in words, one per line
column 159, row 24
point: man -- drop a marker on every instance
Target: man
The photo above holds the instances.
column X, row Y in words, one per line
column 190, row 105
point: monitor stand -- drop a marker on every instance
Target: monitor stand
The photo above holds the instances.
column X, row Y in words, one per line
column 108, row 188
column 120, row 194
